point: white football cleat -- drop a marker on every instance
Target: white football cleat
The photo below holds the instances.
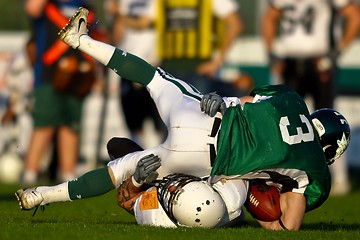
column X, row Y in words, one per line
column 29, row 198
column 77, row 26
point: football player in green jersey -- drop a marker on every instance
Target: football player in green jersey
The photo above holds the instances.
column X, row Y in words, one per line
column 275, row 138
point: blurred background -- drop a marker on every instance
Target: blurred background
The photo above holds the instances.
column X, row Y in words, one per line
column 103, row 115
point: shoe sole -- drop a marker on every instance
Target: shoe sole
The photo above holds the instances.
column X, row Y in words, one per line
column 18, row 197
column 62, row 33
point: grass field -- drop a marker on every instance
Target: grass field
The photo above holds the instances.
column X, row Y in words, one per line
column 101, row 218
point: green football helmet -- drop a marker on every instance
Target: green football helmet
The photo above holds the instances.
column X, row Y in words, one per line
column 333, row 130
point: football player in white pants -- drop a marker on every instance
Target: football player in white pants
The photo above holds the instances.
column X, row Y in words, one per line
column 176, row 200
column 186, row 150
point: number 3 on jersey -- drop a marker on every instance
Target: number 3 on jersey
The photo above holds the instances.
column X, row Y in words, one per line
column 300, row 136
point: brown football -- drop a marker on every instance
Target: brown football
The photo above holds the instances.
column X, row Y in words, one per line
column 263, row 202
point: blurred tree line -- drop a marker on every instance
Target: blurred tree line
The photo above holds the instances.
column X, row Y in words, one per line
column 12, row 16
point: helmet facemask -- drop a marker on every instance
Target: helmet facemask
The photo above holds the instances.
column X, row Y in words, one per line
column 168, row 189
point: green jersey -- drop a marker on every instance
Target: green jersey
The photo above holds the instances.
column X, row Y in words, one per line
column 273, row 138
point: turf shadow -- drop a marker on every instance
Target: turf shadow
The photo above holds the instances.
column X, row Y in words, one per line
column 330, row 226
column 7, row 197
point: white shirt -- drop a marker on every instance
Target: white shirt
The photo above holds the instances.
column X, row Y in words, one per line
column 223, row 8
column 306, row 26
column 140, row 42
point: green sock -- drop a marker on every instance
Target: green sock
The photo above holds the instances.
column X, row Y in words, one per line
column 91, row 184
column 131, row 67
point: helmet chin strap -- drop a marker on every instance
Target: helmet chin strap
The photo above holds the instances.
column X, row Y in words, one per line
column 331, row 160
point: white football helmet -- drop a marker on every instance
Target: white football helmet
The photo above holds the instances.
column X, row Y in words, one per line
column 191, row 202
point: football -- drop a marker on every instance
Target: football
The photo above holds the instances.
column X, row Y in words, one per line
column 263, row 202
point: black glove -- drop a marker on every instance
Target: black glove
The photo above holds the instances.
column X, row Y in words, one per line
column 145, row 171
column 212, row 103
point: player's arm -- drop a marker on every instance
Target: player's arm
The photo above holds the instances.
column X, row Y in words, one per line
column 269, row 26
column 352, row 22
column 269, row 30
column 127, row 195
column 211, row 103
column 117, row 29
column 293, row 206
column 246, row 99
column 131, row 188
column 233, row 28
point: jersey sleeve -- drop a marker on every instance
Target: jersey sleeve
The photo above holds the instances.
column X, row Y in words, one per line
column 340, row 3
column 223, row 8
column 125, row 166
column 318, row 190
column 271, row 90
column 231, row 101
column 234, row 194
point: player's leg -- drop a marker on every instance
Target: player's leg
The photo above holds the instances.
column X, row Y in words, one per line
column 171, row 95
column 128, row 66
column 119, row 147
column 46, row 117
column 91, row 184
column 40, row 142
column 68, row 145
column 68, row 135
column 324, row 88
column 292, row 77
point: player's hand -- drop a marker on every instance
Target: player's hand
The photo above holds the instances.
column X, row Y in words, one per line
column 145, row 171
column 327, row 62
column 212, row 103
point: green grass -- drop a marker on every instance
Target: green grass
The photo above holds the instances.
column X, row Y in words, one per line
column 101, row 218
